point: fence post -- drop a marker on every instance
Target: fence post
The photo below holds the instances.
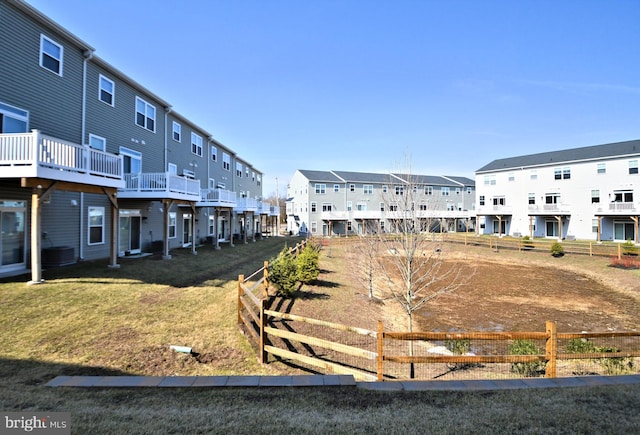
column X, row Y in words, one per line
column 551, row 349
column 263, row 321
column 265, row 280
column 619, row 251
column 380, row 350
column 240, row 293
column 590, row 249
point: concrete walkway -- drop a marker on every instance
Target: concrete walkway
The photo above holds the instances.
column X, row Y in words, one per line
column 334, row 381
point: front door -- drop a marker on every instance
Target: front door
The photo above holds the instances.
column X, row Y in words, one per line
column 130, row 232
column 12, row 242
column 187, row 234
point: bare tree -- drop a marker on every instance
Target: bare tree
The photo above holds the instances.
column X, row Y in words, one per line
column 411, row 263
column 363, row 253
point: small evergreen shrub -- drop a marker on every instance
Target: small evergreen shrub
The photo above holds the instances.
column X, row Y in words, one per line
column 527, row 243
column 308, row 264
column 556, row 249
column 528, row 369
column 283, row 272
column 629, row 248
column 459, row 347
column 610, row 366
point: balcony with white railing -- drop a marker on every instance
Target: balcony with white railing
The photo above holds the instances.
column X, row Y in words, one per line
column 489, row 210
column 247, row 205
column 159, row 185
column 549, row 209
column 274, row 210
column 35, row 155
column 616, row 208
column 334, row 215
column 367, row 214
column 217, row 198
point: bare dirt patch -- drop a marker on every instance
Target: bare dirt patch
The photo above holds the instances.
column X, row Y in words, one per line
column 510, row 291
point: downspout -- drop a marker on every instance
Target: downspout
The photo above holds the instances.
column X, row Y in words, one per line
column 167, row 111
column 88, row 55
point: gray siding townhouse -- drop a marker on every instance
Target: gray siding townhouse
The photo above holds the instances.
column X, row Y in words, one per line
column 587, row 193
column 331, row 203
column 93, row 165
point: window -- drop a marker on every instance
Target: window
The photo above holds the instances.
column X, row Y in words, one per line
column 361, row 206
column 489, row 180
column 13, row 120
column 415, row 188
column 253, row 176
column 444, row 191
column 196, row 144
column 533, row 175
column 633, row 166
column 423, row 206
column 399, row 189
column 327, row 206
column 145, row 115
column 51, row 55
column 557, row 174
column 382, row 206
column 428, row 190
column 393, row 207
column 211, row 183
column 214, row 154
column 481, row 199
column 457, row 191
column 595, row 196
column 352, row 187
column 97, row 142
column 499, row 200
column 594, row 225
column 96, row 226
column 321, row 189
column 106, row 91
column 367, row 189
column 239, row 169
column 602, row 168
column 226, row 161
column 173, row 169
column 384, row 189
column 468, row 190
column 259, row 179
column 349, row 227
column 314, row 207
column 314, row 227
column 566, row 173
column 177, row 131
column 172, row 225
column 552, row 198
column 512, row 176
column 532, row 199
column 336, row 188
column 623, row 196
column 349, row 205
column 211, row 225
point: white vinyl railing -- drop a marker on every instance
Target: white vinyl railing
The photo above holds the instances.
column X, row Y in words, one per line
column 37, row 149
column 218, row 196
column 161, row 182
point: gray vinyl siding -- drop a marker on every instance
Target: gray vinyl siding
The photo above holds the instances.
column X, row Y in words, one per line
column 64, row 229
column 179, row 153
column 117, row 124
column 54, row 102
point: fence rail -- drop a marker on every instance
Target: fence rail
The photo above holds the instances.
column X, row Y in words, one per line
column 380, row 355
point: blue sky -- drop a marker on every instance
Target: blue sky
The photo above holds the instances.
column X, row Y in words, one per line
column 366, row 85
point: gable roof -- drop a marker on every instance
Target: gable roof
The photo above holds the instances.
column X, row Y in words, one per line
column 364, row 177
column 595, row 152
column 320, row 176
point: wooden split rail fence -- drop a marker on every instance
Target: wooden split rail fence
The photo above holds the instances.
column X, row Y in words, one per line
column 378, row 351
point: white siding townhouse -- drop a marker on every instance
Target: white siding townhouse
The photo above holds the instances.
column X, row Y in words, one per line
column 327, row 203
column 94, row 165
column 588, row 193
